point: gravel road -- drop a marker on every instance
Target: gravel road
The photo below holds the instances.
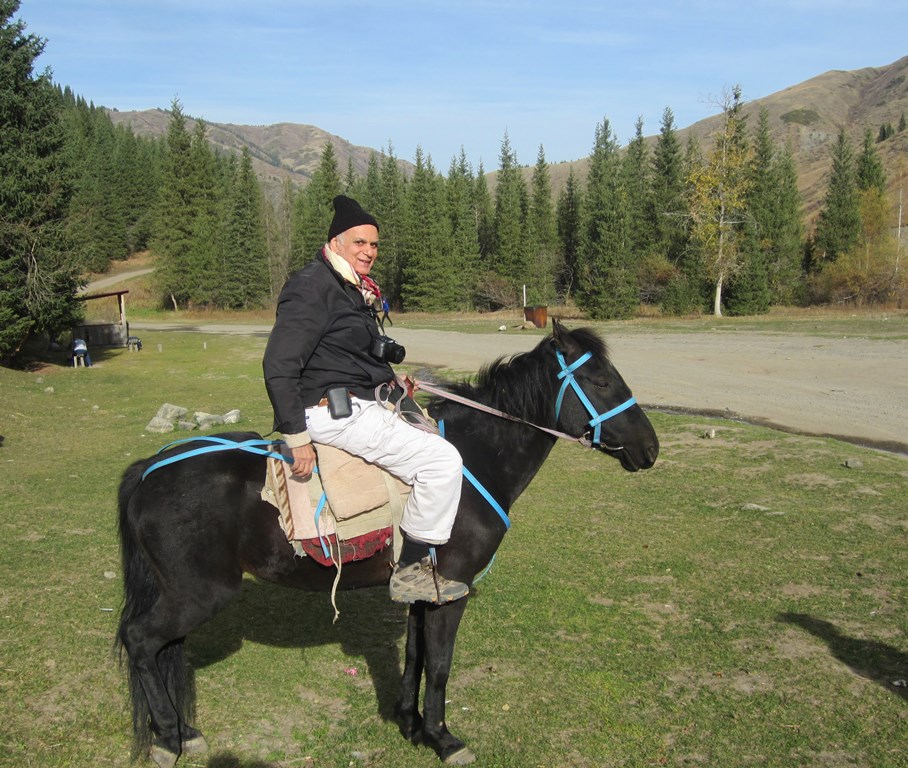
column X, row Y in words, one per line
column 850, row 388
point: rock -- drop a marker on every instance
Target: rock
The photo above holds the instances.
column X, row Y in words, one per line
column 186, row 426
column 502, row 328
column 755, row 508
column 48, row 390
column 232, row 417
column 852, row 464
column 157, row 424
column 206, row 420
column 709, row 434
column 170, row 412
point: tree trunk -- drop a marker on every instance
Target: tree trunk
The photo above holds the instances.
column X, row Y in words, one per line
column 717, row 300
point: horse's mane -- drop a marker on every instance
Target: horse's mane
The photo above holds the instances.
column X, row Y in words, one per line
column 525, row 384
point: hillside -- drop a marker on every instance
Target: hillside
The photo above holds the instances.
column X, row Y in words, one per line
column 808, row 115
column 279, row 152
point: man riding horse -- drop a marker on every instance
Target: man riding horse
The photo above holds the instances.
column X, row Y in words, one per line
column 323, row 362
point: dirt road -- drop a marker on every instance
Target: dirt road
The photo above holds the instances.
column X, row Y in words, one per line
column 851, row 388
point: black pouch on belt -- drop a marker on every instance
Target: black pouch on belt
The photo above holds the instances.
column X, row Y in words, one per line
column 339, row 405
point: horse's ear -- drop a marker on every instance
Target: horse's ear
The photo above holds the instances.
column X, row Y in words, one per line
column 564, row 341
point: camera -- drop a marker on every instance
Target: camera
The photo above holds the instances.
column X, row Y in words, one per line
column 387, row 350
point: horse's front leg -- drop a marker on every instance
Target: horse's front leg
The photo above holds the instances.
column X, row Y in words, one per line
column 439, row 633
column 407, row 709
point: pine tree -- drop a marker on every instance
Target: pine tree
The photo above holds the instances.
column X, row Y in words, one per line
column 174, row 227
column 636, row 169
column 839, row 225
column 390, row 210
column 38, row 278
column 431, row 281
column 607, row 288
column 509, row 259
column 869, row 173
column 315, row 209
column 569, row 214
column 542, row 235
column 485, row 215
column 668, row 208
column 461, row 213
column 748, row 289
column 243, row 267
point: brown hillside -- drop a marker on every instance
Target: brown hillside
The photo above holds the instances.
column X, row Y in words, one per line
column 810, row 116
column 281, row 151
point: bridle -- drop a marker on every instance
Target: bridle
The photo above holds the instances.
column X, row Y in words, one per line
column 567, row 375
column 568, row 379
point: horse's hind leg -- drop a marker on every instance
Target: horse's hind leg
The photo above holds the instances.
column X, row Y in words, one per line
column 154, row 645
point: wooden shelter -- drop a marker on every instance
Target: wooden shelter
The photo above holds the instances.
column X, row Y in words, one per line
column 114, row 334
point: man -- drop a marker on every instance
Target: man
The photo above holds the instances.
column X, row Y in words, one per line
column 321, row 369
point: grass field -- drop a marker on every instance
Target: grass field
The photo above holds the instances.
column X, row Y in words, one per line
column 741, row 604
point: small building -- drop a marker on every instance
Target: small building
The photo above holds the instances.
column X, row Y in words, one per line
column 113, row 334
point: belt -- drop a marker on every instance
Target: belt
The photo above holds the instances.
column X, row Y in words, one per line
column 395, row 394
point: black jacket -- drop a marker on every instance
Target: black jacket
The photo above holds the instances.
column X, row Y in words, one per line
column 321, row 339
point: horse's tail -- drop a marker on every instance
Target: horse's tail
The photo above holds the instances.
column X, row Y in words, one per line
column 140, row 592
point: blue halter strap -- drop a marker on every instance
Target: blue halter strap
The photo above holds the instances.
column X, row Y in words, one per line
column 567, row 379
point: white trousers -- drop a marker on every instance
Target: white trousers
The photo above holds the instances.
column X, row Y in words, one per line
column 426, row 461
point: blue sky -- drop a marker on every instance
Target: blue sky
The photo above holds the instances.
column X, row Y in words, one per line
column 455, row 73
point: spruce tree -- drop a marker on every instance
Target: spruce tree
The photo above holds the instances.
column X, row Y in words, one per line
column 608, row 287
column 636, row 172
column 174, row 228
column 315, row 209
column 38, row 278
column 869, row 173
column 569, row 214
column 542, row 235
column 667, row 205
column 243, row 268
column 485, row 215
column 461, row 214
column 431, row 281
column 390, row 210
column 839, row 225
column 508, row 257
column 748, row 289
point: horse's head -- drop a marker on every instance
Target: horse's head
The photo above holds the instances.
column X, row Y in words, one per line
column 594, row 401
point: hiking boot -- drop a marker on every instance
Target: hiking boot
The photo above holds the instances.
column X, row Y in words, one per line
column 420, row 581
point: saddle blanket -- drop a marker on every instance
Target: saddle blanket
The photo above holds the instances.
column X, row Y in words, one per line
column 348, row 510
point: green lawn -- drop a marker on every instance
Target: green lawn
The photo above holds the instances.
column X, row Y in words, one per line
column 741, row 604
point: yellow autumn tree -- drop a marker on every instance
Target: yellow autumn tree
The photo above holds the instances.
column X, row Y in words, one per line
column 717, row 188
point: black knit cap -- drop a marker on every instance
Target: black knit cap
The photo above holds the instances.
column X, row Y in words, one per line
column 348, row 213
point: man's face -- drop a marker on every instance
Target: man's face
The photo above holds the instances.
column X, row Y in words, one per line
column 358, row 246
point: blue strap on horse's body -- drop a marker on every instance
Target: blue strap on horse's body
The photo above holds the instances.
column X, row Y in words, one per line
column 567, row 374
column 218, row 444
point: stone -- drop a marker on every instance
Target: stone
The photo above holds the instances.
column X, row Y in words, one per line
column 170, row 412
column 232, row 417
column 159, row 425
column 206, row 420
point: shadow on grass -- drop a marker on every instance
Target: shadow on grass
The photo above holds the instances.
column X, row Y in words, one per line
column 370, row 627
column 879, row 662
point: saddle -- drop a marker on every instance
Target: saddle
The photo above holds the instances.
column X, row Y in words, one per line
column 347, row 510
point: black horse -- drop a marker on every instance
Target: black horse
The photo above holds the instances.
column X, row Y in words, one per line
column 189, row 530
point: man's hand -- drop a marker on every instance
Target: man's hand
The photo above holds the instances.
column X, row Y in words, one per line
column 303, row 460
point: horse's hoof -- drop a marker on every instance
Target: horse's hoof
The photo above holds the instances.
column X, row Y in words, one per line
column 195, row 746
column 462, row 756
column 163, row 758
